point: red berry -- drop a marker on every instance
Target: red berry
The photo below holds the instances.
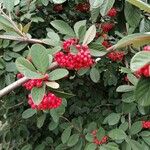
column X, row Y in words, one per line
column 49, row 101
column 19, row 75
column 106, row 27
column 83, row 7
column 106, row 44
column 112, row 12
column 58, row 8
column 146, row 48
column 146, row 124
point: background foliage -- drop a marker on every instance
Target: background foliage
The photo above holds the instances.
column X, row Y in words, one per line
column 100, row 98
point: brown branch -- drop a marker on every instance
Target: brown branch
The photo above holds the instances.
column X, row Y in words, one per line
column 19, row 82
column 21, row 39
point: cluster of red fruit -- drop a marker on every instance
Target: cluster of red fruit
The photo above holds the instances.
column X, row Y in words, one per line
column 107, row 26
column 95, row 139
column 146, row 124
column 82, row 59
column 49, row 101
column 114, row 56
column 82, row 7
column 33, row 82
column 145, row 70
column 58, row 8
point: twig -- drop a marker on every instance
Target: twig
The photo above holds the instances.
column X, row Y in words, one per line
column 19, row 82
column 21, row 39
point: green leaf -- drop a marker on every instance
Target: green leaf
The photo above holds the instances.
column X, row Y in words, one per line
column 26, row 27
column 117, row 134
column 9, row 4
column 128, row 97
column 137, row 39
column 109, row 146
column 53, row 85
column 133, row 79
column 125, row 88
column 136, row 128
column 142, row 92
column 26, row 68
column 53, row 125
column 66, row 134
column 28, row 113
column 73, row 140
column 140, row 4
column 145, row 25
column 96, row 3
column 94, row 14
column 40, row 120
column 40, row 57
column 89, row 137
column 59, row 1
column 58, row 74
column 63, row 27
column 132, row 20
column 112, row 119
column 134, row 144
column 90, row 146
column 54, row 38
column 78, row 25
column 94, row 75
column 90, row 35
column 63, row 94
column 139, row 60
column 54, row 115
column 100, row 133
column 38, row 94
column 106, row 6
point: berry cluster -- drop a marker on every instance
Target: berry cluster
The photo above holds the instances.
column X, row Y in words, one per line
column 33, row 82
column 58, row 8
column 82, row 7
column 95, row 139
column 49, row 101
column 146, row 48
column 107, row 26
column 116, row 56
column 112, row 12
column 146, row 124
column 144, row 71
column 82, row 59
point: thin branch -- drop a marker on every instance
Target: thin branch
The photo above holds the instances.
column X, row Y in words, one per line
column 19, row 82
column 21, row 39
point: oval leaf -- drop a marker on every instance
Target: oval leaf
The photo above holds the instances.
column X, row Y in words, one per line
column 65, row 135
column 58, row 74
column 90, row 35
column 28, row 113
column 40, row 57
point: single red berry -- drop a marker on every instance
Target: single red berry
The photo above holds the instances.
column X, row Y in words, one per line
column 19, row 75
column 106, row 44
column 58, row 8
column 107, row 26
column 146, row 48
column 112, row 12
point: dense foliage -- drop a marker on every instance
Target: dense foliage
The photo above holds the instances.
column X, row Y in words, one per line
column 86, row 66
